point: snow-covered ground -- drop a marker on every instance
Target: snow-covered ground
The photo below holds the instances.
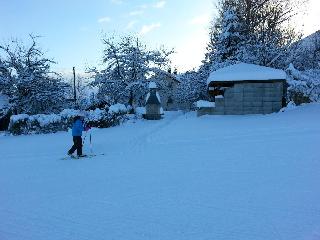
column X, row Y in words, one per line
column 214, row 177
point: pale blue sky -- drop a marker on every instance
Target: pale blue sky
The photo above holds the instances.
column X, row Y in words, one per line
column 72, row 30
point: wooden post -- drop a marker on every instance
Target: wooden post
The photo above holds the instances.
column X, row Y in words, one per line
column 74, row 87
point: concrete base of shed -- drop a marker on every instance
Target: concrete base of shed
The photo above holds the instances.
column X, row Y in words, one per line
column 247, row 98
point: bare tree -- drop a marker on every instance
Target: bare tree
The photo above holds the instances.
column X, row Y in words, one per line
column 28, row 79
column 127, row 66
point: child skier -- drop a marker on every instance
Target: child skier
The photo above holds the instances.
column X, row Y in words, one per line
column 77, row 128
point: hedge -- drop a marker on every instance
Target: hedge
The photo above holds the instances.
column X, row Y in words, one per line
column 41, row 123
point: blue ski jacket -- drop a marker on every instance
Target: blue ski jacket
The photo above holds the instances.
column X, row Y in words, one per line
column 77, row 128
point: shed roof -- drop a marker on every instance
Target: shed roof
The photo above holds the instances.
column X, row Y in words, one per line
column 245, row 72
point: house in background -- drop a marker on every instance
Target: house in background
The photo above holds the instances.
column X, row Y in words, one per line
column 245, row 89
column 167, row 94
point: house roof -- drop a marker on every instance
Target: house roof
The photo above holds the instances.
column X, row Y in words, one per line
column 246, row 72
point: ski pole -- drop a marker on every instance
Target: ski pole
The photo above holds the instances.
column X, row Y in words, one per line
column 90, row 143
column 84, row 138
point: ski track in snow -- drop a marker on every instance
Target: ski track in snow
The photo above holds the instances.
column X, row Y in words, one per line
column 214, row 177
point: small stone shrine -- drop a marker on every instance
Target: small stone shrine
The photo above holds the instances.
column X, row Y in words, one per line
column 153, row 103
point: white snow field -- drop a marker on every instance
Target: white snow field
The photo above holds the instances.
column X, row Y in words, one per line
column 214, row 177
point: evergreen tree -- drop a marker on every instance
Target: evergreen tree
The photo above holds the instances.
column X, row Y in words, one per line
column 305, row 54
column 263, row 35
column 192, row 88
column 226, row 39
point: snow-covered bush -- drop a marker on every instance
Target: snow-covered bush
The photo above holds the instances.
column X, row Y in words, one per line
column 98, row 118
column 139, row 111
column 18, row 124
column 41, row 123
column 117, row 114
column 114, row 115
column 117, row 109
column 303, row 86
column 104, row 119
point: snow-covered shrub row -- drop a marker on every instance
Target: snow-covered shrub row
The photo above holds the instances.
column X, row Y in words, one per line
column 113, row 116
column 117, row 108
column 41, row 123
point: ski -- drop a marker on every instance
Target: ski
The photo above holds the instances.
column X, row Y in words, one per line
column 82, row 157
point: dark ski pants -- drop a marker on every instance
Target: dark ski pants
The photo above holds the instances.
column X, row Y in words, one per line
column 77, row 145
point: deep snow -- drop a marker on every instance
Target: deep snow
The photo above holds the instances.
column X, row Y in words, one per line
column 213, row 177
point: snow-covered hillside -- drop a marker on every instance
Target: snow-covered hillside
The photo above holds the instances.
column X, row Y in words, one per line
column 214, row 177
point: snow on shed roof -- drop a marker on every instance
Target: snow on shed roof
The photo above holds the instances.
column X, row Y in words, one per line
column 245, row 72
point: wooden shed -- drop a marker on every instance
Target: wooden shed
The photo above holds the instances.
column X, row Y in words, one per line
column 246, row 89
